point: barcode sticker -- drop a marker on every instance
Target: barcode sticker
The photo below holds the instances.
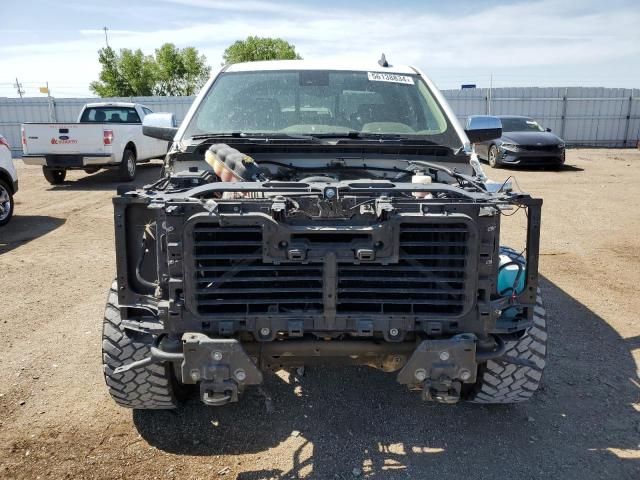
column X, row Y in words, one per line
column 390, row 77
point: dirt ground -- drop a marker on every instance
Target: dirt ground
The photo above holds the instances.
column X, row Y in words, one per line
column 57, row 421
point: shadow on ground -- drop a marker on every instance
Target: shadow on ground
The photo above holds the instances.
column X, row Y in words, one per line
column 108, row 179
column 571, row 168
column 578, row 426
column 24, row 228
column 540, row 168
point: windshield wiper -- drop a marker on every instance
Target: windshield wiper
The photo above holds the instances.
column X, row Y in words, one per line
column 350, row 134
column 265, row 137
column 299, row 136
column 347, row 137
column 382, row 137
column 378, row 138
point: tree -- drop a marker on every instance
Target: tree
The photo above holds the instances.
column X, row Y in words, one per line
column 196, row 70
column 180, row 72
column 172, row 71
column 256, row 48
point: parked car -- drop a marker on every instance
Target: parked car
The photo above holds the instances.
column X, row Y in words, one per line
column 524, row 142
column 107, row 135
column 321, row 213
column 8, row 182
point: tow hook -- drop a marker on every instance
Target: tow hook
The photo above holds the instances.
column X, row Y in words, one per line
column 444, row 391
column 440, row 367
column 214, row 399
column 220, row 365
column 156, row 355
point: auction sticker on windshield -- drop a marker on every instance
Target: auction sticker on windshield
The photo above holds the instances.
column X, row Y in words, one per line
column 389, row 77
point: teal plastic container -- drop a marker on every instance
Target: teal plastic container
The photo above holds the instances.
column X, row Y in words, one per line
column 507, row 275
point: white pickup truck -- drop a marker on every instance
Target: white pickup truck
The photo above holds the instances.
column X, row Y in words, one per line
column 107, row 135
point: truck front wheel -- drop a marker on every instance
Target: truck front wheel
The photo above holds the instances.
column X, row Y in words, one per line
column 517, row 374
column 54, row 176
column 150, row 387
column 128, row 166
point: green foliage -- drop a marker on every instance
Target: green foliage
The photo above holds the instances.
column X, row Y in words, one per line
column 196, row 71
column 256, row 48
column 172, row 71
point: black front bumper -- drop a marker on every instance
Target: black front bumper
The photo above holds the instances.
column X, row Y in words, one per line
column 224, row 367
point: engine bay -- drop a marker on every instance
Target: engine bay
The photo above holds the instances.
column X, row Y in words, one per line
column 224, row 163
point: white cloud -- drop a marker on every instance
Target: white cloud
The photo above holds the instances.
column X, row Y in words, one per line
column 542, row 35
column 249, row 6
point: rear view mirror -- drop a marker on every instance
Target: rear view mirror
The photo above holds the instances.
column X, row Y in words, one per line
column 481, row 128
column 160, row 125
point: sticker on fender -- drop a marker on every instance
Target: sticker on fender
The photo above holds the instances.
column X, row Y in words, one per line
column 389, row 77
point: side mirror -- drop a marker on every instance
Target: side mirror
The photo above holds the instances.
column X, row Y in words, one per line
column 547, row 129
column 160, row 125
column 481, row 128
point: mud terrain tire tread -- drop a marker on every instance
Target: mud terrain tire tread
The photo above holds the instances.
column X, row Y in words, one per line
column 503, row 382
column 150, row 387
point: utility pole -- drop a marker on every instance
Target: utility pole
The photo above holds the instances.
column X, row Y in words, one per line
column 18, row 86
column 490, row 92
column 106, row 38
column 52, row 111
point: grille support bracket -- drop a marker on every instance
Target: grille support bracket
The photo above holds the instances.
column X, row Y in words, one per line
column 329, row 292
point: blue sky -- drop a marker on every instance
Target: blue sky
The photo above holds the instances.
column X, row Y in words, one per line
column 519, row 43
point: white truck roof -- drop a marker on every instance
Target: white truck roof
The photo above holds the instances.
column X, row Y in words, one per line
column 318, row 65
column 112, row 104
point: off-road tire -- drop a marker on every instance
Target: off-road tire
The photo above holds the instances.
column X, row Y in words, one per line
column 150, row 387
column 492, row 157
column 54, row 176
column 6, row 199
column 502, row 382
column 127, row 169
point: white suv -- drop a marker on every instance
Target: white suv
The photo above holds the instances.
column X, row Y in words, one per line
column 8, row 182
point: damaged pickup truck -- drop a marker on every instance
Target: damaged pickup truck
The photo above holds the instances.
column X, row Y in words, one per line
column 321, row 214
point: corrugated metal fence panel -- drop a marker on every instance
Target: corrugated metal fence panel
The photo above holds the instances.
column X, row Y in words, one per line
column 597, row 116
column 601, row 117
column 14, row 111
column 582, row 116
column 634, row 124
column 467, row 102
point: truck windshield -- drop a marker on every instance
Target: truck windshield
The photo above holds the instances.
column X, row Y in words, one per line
column 322, row 103
column 110, row 115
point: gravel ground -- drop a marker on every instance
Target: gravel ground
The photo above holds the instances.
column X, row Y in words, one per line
column 57, row 421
